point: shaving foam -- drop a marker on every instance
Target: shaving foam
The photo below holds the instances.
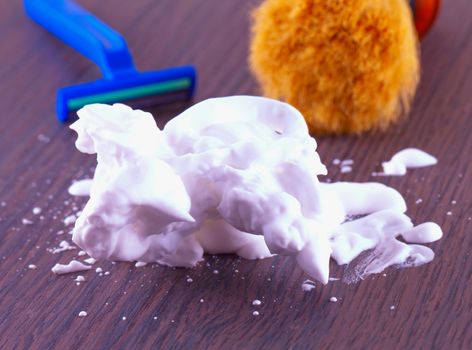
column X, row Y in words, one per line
column 232, row 175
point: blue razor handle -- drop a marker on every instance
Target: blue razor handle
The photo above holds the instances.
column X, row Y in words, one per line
column 84, row 32
column 107, row 48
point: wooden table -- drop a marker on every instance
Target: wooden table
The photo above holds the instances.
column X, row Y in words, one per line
column 155, row 306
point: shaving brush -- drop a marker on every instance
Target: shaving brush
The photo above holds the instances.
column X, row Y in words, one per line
column 347, row 65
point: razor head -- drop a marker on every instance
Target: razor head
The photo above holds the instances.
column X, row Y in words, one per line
column 162, row 86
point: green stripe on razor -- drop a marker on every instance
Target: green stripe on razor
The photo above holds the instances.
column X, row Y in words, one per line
column 130, row 93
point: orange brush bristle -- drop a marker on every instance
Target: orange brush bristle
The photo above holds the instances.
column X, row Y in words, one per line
column 347, row 65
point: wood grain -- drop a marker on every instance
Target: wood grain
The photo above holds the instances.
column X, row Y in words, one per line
column 39, row 310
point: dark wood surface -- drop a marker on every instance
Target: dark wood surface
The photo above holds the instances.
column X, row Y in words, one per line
column 39, row 310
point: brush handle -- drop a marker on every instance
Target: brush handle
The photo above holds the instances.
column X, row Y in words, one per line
column 424, row 13
column 85, row 33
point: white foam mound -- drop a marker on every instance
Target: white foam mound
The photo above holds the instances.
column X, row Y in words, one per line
column 230, row 175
